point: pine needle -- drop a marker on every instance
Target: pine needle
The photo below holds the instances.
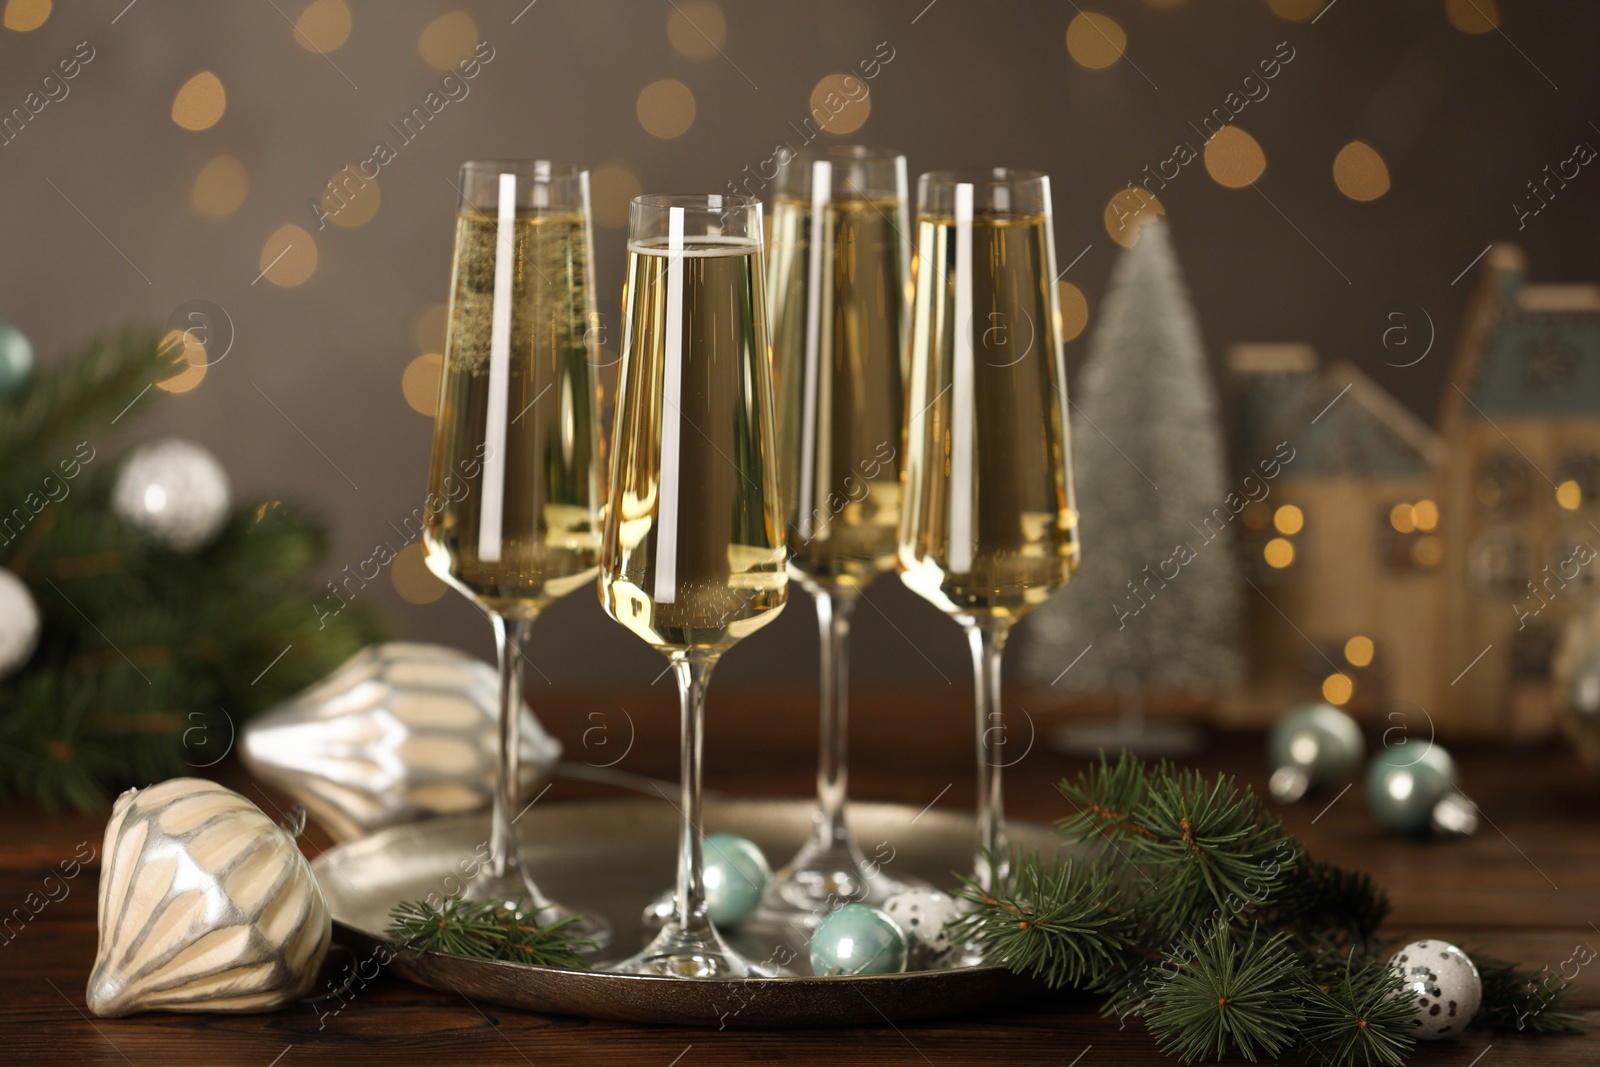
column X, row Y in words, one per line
column 1520, row 1000
column 485, row 931
column 1359, row 1019
column 1227, row 992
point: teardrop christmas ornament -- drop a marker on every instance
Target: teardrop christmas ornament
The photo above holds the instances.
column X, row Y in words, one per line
column 205, row 905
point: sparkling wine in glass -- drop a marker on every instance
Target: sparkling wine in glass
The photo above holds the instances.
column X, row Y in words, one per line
column 988, row 529
column 694, row 554
column 515, row 487
column 839, row 276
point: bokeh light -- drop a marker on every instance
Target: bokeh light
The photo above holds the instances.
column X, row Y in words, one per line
column 1074, row 310
column 194, row 357
column 1428, row 551
column 1473, row 16
column 1295, row 10
column 323, row 26
column 665, row 108
column 696, row 29
column 350, row 198
column 448, row 40
column 412, row 579
column 25, row 15
column 1128, row 210
column 1425, row 513
column 1359, row 651
column 289, row 256
column 840, row 104
column 420, row 383
column 611, row 189
column 1337, row 689
column 1095, row 40
column 1403, row 517
column 1234, row 158
column 1359, row 172
column 1568, row 495
column 1289, row 519
column 200, row 102
column 428, row 328
column 220, row 188
column 1278, row 552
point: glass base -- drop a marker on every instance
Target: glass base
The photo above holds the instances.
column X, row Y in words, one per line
column 515, row 893
column 701, row 952
column 823, row 878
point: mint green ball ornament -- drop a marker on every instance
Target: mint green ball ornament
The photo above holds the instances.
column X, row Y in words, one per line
column 1312, row 747
column 736, row 878
column 858, row 939
column 16, row 360
column 1407, row 782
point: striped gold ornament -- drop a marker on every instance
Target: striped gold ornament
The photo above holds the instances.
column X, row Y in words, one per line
column 205, row 905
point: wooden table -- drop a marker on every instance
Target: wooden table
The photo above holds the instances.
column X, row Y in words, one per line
column 1527, row 887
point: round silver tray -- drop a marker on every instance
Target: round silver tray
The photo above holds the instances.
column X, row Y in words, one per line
column 614, row 857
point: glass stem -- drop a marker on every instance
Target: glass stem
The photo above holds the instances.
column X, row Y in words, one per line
column 992, row 863
column 510, row 637
column 693, row 673
column 833, row 620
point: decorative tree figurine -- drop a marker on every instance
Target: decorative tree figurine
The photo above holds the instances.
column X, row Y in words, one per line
column 1156, row 603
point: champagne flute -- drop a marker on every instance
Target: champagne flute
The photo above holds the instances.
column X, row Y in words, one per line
column 989, row 529
column 839, row 276
column 513, row 520
column 694, row 554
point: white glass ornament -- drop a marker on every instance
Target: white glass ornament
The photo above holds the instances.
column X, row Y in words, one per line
column 174, row 491
column 19, row 623
column 399, row 732
column 923, row 914
column 205, row 905
column 1442, row 982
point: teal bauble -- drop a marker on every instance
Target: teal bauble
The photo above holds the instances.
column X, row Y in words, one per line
column 1405, row 783
column 858, row 939
column 16, row 360
column 1312, row 747
column 736, row 878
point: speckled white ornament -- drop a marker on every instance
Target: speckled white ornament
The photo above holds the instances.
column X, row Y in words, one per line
column 174, row 491
column 1444, row 985
column 19, row 623
column 922, row 914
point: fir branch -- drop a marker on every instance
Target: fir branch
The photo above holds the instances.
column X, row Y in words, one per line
column 486, row 931
column 1227, row 991
column 1358, row 1017
column 1326, row 905
column 1517, row 1000
column 1060, row 925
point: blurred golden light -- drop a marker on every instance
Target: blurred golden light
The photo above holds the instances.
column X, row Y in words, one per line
column 1472, row 16
column 1255, row 515
column 1234, row 158
column 428, row 328
column 1095, row 40
column 350, row 199
column 1359, row 172
column 1074, row 310
column 1129, row 209
column 1278, row 552
column 1568, row 495
column 25, row 15
column 1358, row 650
column 289, row 256
column 194, row 356
column 611, row 189
column 412, row 579
column 1337, row 688
column 323, row 26
column 665, row 108
column 220, row 187
column 448, row 40
column 696, row 29
column 1403, row 517
column 1425, row 513
column 1289, row 519
column 420, row 383
column 839, row 102
column 1295, row 10
column 200, row 102
column 1428, row 551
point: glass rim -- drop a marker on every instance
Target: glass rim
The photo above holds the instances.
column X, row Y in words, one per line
column 525, row 167
column 864, row 153
column 985, row 176
column 725, row 203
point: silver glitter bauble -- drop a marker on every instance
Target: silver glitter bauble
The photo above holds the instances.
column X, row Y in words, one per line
column 174, row 491
column 19, row 623
column 923, row 915
column 400, row 732
column 205, row 905
column 1442, row 982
